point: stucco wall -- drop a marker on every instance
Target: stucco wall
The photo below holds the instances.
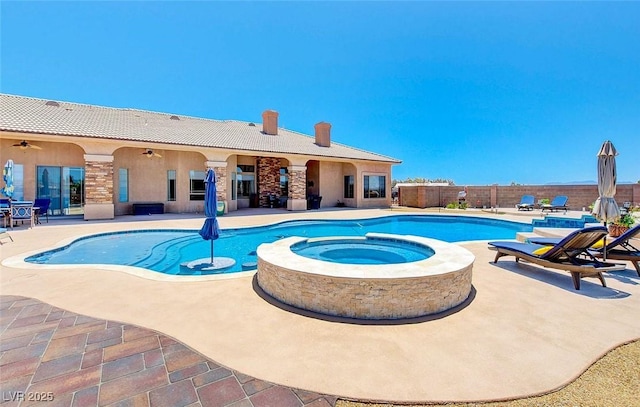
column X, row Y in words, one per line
column 148, row 178
column 331, row 183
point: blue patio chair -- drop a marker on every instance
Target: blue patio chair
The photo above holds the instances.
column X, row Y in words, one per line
column 526, row 203
column 43, row 208
column 559, row 202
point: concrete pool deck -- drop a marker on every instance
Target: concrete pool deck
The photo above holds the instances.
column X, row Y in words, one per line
column 525, row 331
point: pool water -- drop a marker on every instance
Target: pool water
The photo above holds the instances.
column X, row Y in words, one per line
column 362, row 251
column 163, row 250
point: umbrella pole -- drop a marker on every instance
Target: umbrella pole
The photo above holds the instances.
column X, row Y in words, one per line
column 211, row 251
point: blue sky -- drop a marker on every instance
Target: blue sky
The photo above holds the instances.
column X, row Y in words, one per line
column 476, row 92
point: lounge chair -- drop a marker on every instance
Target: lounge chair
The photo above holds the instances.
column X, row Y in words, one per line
column 559, row 202
column 570, row 254
column 4, row 234
column 619, row 248
column 526, row 203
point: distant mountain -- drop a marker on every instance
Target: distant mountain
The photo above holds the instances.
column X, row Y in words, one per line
column 590, row 182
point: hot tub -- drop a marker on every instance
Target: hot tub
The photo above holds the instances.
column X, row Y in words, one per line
column 328, row 275
column 362, row 250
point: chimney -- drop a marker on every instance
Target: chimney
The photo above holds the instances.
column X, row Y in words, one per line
column 323, row 134
column 270, row 122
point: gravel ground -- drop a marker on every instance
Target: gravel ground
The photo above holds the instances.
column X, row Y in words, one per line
column 614, row 380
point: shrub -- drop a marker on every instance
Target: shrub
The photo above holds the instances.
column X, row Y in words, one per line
column 455, row 205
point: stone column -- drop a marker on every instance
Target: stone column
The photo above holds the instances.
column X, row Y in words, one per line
column 98, row 184
column 220, row 169
column 297, row 188
column 268, row 178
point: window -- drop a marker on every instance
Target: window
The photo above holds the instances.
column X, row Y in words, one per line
column 349, row 185
column 18, row 182
column 171, row 185
column 284, row 182
column 196, row 185
column 245, row 183
column 374, row 186
column 123, row 185
column 246, row 168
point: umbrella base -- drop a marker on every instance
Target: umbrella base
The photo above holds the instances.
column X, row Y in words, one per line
column 205, row 265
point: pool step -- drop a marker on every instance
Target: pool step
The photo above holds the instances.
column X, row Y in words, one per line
column 524, row 236
column 167, row 252
column 543, row 232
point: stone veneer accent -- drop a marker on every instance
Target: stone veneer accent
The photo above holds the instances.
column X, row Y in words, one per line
column 297, row 182
column 367, row 292
column 221, row 183
column 98, row 182
column 268, row 178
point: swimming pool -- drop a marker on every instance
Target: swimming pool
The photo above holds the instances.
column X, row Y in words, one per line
column 164, row 250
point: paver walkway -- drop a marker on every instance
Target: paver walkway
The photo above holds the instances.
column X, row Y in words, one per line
column 66, row 359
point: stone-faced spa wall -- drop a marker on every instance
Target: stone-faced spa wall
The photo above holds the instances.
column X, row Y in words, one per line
column 390, row 291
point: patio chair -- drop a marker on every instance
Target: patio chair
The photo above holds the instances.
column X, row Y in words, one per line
column 4, row 234
column 43, row 208
column 559, row 202
column 526, row 203
column 22, row 211
column 570, row 254
column 619, row 248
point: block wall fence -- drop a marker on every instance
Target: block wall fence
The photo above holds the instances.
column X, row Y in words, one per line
column 495, row 196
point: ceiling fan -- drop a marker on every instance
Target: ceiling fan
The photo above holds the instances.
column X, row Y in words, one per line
column 25, row 144
column 149, row 153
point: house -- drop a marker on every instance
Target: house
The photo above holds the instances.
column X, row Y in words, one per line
column 100, row 161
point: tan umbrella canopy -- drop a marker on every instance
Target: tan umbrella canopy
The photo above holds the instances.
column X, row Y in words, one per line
column 605, row 208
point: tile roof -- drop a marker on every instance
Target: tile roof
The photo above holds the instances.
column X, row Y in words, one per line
column 33, row 115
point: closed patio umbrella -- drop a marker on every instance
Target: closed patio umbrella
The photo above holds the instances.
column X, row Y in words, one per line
column 7, row 175
column 605, row 208
column 210, row 230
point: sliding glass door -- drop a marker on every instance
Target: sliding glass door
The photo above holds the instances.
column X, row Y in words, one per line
column 64, row 186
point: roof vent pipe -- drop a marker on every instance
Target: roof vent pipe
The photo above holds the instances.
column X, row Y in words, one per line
column 270, row 122
column 323, row 134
